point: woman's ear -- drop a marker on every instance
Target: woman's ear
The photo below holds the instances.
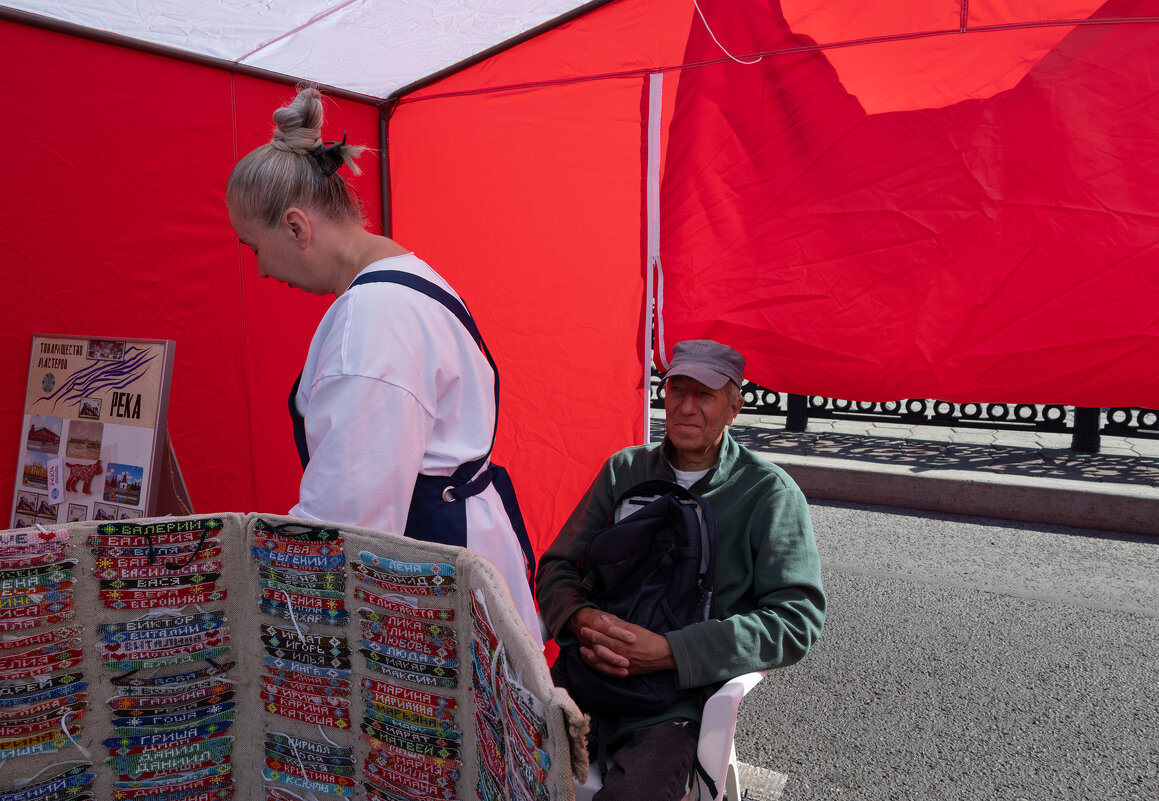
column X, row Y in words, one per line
column 297, row 225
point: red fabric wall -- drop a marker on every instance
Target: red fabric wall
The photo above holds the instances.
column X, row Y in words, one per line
column 115, row 226
column 543, row 243
column 917, row 230
column 530, row 201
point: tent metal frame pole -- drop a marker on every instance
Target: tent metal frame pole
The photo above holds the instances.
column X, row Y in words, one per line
column 655, row 92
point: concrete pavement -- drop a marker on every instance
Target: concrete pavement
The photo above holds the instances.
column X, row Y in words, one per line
column 966, row 658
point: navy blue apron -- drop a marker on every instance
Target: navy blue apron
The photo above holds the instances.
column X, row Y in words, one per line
column 436, row 514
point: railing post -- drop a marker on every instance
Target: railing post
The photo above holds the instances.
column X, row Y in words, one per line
column 1086, row 430
column 798, row 416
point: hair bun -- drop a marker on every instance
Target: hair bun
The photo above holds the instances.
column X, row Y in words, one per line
column 299, row 125
column 296, row 168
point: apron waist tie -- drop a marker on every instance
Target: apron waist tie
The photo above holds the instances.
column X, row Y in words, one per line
column 473, row 487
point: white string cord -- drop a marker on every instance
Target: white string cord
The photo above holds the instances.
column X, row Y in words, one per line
column 22, row 783
column 71, row 739
column 298, row 759
column 293, row 618
column 499, row 654
column 294, row 748
column 718, row 44
column 402, row 599
column 327, row 739
column 660, row 315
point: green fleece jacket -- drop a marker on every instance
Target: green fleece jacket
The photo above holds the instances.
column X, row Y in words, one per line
column 768, row 606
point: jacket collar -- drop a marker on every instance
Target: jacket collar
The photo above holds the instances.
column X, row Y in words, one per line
column 725, row 459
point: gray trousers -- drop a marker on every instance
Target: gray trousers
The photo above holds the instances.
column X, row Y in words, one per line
column 653, row 763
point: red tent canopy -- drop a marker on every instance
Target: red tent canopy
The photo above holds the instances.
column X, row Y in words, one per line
column 895, row 199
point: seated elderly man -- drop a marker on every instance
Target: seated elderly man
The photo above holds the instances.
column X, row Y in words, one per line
column 768, row 605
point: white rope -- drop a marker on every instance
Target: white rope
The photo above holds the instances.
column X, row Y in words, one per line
column 400, row 599
column 284, row 791
column 293, row 618
column 71, row 739
column 327, row 739
column 660, row 315
column 502, row 690
column 718, row 44
column 298, row 759
column 22, row 783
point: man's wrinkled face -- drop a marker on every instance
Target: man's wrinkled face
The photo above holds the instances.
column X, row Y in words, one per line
column 695, row 417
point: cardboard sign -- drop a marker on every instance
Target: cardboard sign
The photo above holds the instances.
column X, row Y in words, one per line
column 94, row 430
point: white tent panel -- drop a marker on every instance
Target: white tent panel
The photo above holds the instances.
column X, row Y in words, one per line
column 371, row 47
column 225, row 30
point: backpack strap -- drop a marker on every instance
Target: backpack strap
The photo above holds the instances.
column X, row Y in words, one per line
column 658, row 486
column 704, row 777
column 299, row 424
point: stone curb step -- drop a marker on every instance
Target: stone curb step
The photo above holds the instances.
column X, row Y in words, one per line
column 1104, row 506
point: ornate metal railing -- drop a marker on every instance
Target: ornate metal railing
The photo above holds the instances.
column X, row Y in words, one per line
column 1084, row 425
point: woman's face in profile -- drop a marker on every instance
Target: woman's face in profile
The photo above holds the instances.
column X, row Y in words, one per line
column 277, row 251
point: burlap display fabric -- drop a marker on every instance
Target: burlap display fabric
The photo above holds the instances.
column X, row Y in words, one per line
column 373, row 660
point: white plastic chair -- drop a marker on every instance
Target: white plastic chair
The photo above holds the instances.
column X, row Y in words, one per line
column 715, row 749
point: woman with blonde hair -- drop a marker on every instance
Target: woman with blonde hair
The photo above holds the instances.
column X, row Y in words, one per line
column 395, row 410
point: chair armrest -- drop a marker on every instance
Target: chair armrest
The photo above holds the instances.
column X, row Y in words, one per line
column 718, row 723
column 747, row 681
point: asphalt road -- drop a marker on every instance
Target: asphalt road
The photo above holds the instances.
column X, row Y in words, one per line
column 966, row 658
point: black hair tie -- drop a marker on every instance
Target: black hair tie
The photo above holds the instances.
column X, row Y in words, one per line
column 328, row 157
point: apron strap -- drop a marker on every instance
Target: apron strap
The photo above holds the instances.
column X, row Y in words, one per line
column 470, row 478
column 299, row 424
column 457, row 308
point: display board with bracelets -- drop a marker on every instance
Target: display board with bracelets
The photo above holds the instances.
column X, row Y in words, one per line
column 270, row 658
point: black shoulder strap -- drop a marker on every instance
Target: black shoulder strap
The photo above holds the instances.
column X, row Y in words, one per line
column 657, row 486
column 433, row 291
column 453, row 305
column 500, row 477
column 299, row 423
column 437, row 293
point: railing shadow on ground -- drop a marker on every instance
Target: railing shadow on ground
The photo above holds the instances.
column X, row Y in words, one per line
column 923, row 456
column 928, row 456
